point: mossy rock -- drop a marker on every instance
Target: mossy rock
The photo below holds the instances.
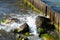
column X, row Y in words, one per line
column 22, row 37
column 27, row 34
column 47, row 37
column 40, row 29
column 4, row 20
column 2, row 32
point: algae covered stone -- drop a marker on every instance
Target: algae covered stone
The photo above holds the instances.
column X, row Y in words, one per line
column 47, row 37
column 22, row 29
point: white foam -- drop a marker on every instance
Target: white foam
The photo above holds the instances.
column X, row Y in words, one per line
column 28, row 18
column 31, row 23
column 10, row 27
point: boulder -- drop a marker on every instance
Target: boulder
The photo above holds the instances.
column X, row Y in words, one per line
column 22, row 29
column 40, row 20
column 44, row 23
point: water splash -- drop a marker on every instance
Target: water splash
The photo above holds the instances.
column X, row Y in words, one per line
column 24, row 18
column 31, row 23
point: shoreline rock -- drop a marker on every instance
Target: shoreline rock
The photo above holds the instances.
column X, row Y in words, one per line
column 22, row 29
column 45, row 24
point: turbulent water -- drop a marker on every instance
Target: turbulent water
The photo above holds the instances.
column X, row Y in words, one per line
column 54, row 4
column 9, row 9
column 28, row 18
column 23, row 18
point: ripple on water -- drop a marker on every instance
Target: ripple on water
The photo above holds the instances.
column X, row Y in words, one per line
column 54, row 4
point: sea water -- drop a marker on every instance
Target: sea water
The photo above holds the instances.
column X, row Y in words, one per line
column 54, row 4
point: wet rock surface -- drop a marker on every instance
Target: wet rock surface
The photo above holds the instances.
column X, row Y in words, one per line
column 15, row 19
column 40, row 20
column 22, row 29
column 45, row 23
column 34, row 38
column 44, row 26
column 6, row 36
column 10, row 20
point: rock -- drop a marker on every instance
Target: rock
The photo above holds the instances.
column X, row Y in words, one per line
column 22, row 29
column 47, row 37
column 10, row 20
column 21, row 37
column 3, row 32
column 55, row 34
column 34, row 38
column 40, row 20
column 7, row 35
column 44, row 23
column 14, row 19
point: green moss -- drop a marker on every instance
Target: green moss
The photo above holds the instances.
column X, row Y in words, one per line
column 27, row 34
column 4, row 20
column 40, row 29
column 47, row 37
column 57, row 28
column 31, row 6
column 21, row 38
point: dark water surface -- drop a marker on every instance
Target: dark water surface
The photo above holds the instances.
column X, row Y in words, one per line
column 54, row 4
